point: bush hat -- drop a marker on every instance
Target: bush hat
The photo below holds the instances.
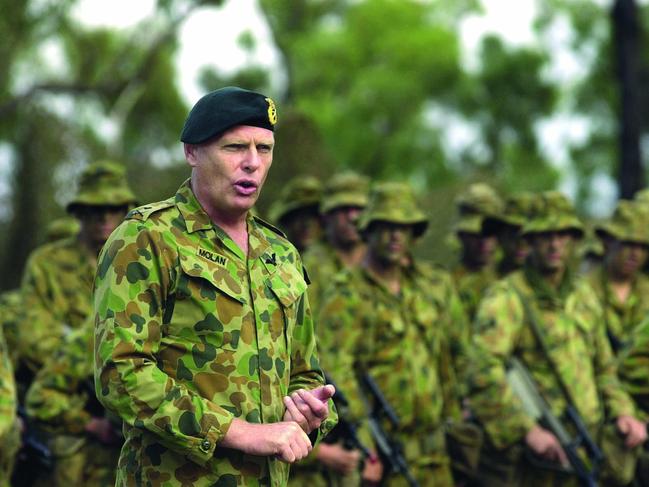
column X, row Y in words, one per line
column 345, row 189
column 299, row 193
column 553, row 212
column 629, row 223
column 102, row 183
column 476, row 203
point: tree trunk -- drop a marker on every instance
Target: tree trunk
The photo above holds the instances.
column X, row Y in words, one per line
column 626, row 32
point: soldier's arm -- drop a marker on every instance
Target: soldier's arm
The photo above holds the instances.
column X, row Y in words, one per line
column 634, row 363
column 616, row 400
column 498, row 323
column 8, row 402
column 306, row 372
column 56, row 396
column 131, row 295
column 39, row 328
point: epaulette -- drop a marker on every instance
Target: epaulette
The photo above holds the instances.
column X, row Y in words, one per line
column 264, row 223
column 143, row 212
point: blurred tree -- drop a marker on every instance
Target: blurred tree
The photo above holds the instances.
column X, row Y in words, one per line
column 73, row 94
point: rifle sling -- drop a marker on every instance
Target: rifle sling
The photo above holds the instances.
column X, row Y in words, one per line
column 530, row 319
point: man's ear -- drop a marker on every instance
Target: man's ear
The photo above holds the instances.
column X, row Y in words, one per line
column 191, row 154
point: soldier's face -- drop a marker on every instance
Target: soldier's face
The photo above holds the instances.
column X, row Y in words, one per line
column 625, row 259
column 515, row 247
column 341, row 225
column 478, row 249
column 302, row 227
column 389, row 243
column 98, row 222
column 229, row 172
column 551, row 251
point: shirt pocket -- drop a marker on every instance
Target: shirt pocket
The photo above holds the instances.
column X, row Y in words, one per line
column 287, row 285
column 210, row 305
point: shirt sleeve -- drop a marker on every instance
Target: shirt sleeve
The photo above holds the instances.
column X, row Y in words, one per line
column 497, row 325
column 132, row 293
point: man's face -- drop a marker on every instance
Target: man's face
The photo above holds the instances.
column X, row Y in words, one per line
column 389, row 243
column 515, row 247
column 625, row 259
column 340, row 224
column 478, row 249
column 302, row 227
column 229, row 172
column 98, row 222
column 551, row 250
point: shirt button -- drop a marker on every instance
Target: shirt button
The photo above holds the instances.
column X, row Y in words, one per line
column 205, row 445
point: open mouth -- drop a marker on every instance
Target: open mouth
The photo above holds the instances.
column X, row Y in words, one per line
column 245, row 187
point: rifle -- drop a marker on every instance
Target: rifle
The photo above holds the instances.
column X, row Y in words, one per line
column 345, row 430
column 586, row 470
column 390, row 449
column 34, row 450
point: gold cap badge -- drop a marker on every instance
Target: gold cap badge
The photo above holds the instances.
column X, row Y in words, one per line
column 272, row 111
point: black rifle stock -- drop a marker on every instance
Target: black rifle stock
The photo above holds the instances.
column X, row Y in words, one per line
column 345, row 430
column 535, row 404
column 390, row 449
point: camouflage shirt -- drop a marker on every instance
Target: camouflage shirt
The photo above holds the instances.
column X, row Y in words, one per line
column 61, row 391
column 621, row 318
column 571, row 319
column 10, row 315
column 471, row 286
column 57, row 297
column 634, row 363
column 190, row 334
column 323, row 264
column 400, row 341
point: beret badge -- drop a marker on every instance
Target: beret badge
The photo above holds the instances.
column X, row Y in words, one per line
column 272, row 111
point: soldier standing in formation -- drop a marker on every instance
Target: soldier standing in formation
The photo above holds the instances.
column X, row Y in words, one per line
column 296, row 211
column 204, row 340
column 378, row 320
column 476, row 270
column 56, row 294
column 573, row 365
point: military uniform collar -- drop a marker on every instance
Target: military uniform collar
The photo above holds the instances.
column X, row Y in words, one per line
column 196, row 218
column 546, row 295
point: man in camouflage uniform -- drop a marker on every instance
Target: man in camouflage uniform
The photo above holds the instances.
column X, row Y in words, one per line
column 476, row 270
column 296, row 211
column 570, row 318
column 57, row 299
column 204, row 341
column 387, row 321
column 344, row 197
column 622, row 288
column 507, row 228
column 62, row 399
column 9, row 426
column 57, row 282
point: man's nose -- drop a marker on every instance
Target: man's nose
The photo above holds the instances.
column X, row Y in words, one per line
column 252, row 160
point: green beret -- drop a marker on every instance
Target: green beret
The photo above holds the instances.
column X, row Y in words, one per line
column 393, row 202
column 630, row 223
column 225, row 108
column 102, row 183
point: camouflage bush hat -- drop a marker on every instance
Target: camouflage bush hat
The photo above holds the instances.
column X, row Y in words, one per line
column 518, row 208
column 475, row 204
column 629, row 223
column 62, row 228
column 102, row 183
column 642, row 197
column 299, row 193
column 552, row 212
column 225, row 108
column 345, row 189
column 393, row 203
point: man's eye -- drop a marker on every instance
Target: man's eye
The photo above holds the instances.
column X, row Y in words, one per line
column 264, row 148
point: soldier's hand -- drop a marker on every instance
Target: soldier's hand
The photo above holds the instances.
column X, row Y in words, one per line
column 339, row 459
column 372, row 471
column 634, row 430
column 546, row 445
column 286, row 440
column 308, row 408
column 103, row 430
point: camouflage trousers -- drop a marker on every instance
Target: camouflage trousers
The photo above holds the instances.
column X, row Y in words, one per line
column 8, row 450
column 81, row 461
column 516, row 466
column 426, row 455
